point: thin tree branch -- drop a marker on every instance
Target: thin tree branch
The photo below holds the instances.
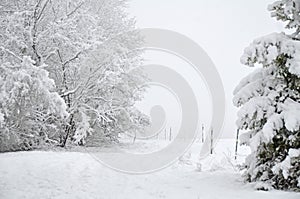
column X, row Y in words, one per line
column 11, row 53
column 73, row 11
column 72, row 59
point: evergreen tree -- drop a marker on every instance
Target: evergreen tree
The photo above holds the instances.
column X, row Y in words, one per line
column 270, row 104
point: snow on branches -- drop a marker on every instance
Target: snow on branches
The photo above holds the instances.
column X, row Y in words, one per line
column 269, row 101
column 287, row 11
column 30, row 108
column 267, row 49
column 90, row 49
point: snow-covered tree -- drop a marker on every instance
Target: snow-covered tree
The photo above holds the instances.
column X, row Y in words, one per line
column 270, row 103
column 91, row 50
column 30, row 111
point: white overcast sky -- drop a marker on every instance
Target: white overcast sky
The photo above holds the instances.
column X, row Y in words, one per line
column 223, row 28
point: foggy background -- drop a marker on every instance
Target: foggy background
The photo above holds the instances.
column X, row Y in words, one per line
column 222, row 28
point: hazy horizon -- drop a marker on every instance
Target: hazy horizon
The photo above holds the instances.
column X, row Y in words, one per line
column 223, row 30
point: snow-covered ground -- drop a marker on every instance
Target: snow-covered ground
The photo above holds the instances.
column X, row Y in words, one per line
column 61, row 174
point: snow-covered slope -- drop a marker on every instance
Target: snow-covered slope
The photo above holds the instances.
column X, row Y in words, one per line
column 78, row 175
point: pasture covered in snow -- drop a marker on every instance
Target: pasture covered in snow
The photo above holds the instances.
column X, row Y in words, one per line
column 73, row 174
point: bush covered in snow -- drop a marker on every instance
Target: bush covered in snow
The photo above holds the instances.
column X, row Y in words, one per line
column 270, row 103
column 31, row 112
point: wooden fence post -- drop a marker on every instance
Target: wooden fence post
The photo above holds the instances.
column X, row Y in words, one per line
column 236, row 143
column 202, row 139
column 211, row 141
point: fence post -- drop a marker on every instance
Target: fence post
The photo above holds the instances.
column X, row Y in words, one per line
column 202, row 139
column 211, row 141
column 236, row 143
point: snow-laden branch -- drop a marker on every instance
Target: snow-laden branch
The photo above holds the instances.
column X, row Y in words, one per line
column 11, row 53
